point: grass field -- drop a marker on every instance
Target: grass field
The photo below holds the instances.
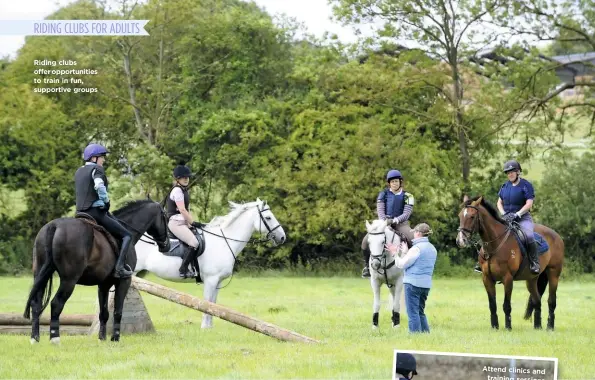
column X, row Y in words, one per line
column 335, row 310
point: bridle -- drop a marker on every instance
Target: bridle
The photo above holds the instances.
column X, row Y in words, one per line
column 161, row 242
column 478, row 243
column 268, row 237
column 382, row 257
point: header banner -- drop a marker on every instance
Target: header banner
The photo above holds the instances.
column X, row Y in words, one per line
column 73, row 27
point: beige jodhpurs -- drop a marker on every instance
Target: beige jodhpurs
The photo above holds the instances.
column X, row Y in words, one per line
column 182, row 232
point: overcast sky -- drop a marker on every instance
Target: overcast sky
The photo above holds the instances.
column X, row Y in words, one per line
column 315, row 14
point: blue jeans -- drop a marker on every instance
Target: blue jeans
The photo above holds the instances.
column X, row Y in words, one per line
column 415, row 300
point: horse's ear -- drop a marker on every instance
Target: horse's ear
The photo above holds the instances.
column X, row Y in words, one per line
column 368, row 225
column 465, row 198
column 258, row 199
column 478, row 201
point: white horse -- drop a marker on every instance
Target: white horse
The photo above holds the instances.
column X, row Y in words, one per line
column 225, row 236
column 383, row 269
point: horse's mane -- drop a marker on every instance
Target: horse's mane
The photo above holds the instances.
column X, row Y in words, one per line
column 132, row 206
column 237, row 209
column 488, row 206
column 377, row 226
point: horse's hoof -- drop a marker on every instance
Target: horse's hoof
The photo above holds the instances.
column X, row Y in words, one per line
column 396, row 326
column 55, row 340
column 115, row 338
column 33, row 341
column 374, row 327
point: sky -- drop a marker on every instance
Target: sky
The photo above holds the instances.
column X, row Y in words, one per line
column 315, row 14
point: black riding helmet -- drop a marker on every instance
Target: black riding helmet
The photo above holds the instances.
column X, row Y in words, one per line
column 182, row 171
column 405, row 363
column 512, row 165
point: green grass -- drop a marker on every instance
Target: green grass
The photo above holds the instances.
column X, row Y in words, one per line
column 336, row 310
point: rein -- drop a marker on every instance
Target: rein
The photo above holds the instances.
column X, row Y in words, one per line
column 145, row 235
column 268, row 237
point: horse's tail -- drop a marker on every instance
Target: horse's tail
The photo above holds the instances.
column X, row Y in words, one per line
column 542, row 281
column 44, row 275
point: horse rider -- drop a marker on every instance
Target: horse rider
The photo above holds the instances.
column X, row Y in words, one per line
column 394, row 205
column 180, row 220
column 91, row 187
column 515, row 200
column 406, row 366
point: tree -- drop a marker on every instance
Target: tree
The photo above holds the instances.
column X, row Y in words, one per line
column 571, row 211
column 477, row 103
column 570, row 25
column 319, row 154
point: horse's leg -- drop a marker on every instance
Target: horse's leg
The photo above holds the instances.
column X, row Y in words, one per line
column 375, row 283
column 103, row 297
column 122, row 287
column 210, row 294
column 396, row 294
column 508, row 283
column 553, row 277
column 490, row 286
column 62, row 295
column 36, row 303
column 536, row 300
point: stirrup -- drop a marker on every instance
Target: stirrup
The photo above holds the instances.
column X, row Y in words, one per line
column 123, row 272
column 531, row 269
column 366, row 272
column 188, row 274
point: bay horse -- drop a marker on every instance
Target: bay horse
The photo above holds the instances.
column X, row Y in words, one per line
column 500, row 259
column 82, row 254
column 383, row 269
column 224, row 239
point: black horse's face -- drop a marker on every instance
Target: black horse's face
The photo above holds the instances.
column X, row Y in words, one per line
column 468, row 222
column 158, row 229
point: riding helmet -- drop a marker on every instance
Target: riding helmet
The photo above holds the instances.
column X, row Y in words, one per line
column 182, row 171
column 512, row 165
column 393, row 174
column 405, row 363
column 94, row 150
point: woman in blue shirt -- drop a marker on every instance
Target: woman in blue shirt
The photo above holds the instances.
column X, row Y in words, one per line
column 515, row 200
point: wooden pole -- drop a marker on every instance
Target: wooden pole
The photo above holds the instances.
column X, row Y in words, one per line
column 65, row 319
column 219, row 311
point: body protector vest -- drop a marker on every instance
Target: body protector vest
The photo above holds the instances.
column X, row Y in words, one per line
column 85, row 185
column 172, row 208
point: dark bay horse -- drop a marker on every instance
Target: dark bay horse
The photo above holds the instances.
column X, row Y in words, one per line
column 500, row 259
column 83, row 255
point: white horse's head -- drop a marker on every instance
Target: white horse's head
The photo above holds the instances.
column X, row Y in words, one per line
column 263, row 219
column 379, row 234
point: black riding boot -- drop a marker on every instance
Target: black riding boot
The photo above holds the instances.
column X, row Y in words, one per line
column 366, row 270
column 122, row 269
column 185, row 270
column 533, row 259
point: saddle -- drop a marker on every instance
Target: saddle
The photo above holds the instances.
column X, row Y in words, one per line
column 519, row 234
column 178, row 247
column 84, row 217
column 401, row 236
